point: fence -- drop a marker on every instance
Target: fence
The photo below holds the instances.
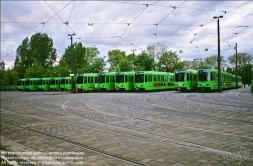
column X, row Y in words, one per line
column 8, row 87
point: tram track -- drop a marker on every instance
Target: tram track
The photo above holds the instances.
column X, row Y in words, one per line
column 86, row 147
column 183, row 143
column 179, row 143
column 171, row 138
column 185, row 110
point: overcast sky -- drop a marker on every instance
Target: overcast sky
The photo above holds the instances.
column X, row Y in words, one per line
column 126, row 25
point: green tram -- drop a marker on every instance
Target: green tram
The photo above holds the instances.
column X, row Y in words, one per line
column 86, row 82
column 239, row 79
column 54, row 83
column 31, row 84
column 186, row 80
column 252, row 79
column 21, row 84
column 124, row 81
column 43, row 84
column 106, row 81
column 153, row 80
column 208, row 80
column 65, row 83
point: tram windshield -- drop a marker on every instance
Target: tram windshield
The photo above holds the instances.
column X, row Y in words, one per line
column 139, row 77
column 79, row 80
column 180, row 76
column 204, row 75
column 63, row 80
column 40, row 82
column 19, row 82
column 52, row 82
column 119, row 78
column 101, row 79
column 27, row 82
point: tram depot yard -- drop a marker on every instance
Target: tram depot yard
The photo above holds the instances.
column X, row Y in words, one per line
column 119, row 129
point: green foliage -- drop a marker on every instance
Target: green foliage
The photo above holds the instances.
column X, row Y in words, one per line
column 38, row 50
column 144, row 62
column 242, row 59
column 124, row 65
column 38, row 71
column 114, row 58
column 82, row 57
column 61, row 70
column 167, row 61
column 97, row 65
column 10, row 77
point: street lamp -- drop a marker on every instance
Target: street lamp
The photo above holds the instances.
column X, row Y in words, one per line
column 72, row 63
column 219, row 72
column 133, row 57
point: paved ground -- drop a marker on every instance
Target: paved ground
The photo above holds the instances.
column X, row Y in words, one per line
column 103, row 129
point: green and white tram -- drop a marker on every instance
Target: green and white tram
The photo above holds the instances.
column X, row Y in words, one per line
column 21, row 84
column 54, row 83
column 186, row 80
column 43, row 83
column 153, row 80
column 31, row 84
column 86, row 82
column 106, row 81
column 65, row 83
column 208, row 80
column 124, row 81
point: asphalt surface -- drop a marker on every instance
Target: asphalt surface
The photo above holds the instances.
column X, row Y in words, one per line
column 108, row 129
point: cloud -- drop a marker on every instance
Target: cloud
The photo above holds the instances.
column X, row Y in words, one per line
column 176, row 28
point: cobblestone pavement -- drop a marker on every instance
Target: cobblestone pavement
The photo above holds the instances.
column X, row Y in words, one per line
column 152, row 128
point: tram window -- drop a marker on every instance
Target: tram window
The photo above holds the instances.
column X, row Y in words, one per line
column 188, row 77
column 107, row 79
column 154, row 78
column 171, row 79
column 126, row 78
column 146, row 78
column 96, row 79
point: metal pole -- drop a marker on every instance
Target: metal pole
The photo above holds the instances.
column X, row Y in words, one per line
column 236, row 69
column 133, row 58
column 72, row 66
column 219, row 72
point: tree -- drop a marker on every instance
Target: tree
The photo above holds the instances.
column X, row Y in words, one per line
column 114, row 58
column 61, row 70
column 97, row 65
column 10, row 77
column 212, row 61
column 39, row 50
column 144, row 62
column 82, row 57
column 124, row 65
column 38, row 71
column 242, row 59
column 168, row 61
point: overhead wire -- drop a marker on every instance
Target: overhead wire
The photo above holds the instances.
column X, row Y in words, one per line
column 72, row 10
column 19, row 23
column 56, row 13
column 224, row 14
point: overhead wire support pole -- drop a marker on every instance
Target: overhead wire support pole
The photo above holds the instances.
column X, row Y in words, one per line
column 133, row 58
column 236, row 69
column 72, row 64
column 219, row 59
